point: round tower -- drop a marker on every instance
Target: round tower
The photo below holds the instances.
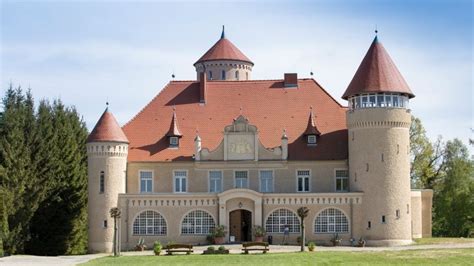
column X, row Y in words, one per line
column 378, row 122
column 107, row 149
column 224, row 61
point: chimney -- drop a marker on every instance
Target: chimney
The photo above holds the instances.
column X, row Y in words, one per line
column 202, row 87
column 291, row 80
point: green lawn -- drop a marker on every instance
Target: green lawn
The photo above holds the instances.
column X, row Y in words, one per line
column 417, row 257
column 442, row 240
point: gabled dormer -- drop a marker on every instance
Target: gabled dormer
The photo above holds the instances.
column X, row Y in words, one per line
column 311, row 134
column 174, row 134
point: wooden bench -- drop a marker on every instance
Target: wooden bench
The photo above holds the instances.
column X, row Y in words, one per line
column 176, row 248
column 255, row 246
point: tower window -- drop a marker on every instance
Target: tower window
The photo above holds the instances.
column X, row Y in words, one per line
column 369, row 225
column 397, row 213
column 102, row 182
column 408, row 208
column 383, row 219
column 247, row 75
column 223, row 75
column 237, row 75
column 210, row 75
column 174, row 142
column 104, row 224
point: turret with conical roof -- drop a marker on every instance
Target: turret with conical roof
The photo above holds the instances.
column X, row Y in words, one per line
column 224, row 61
column 378, row 123
column 107, row 150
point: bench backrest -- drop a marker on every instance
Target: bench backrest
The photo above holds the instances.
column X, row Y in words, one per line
column 173, row 246
column 251, row 244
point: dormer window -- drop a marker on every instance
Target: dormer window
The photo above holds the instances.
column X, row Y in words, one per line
column 174, row 133
column 311, row 133
column 311, row 139
column 174, row 142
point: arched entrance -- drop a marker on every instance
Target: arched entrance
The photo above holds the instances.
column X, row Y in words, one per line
column 240, row 225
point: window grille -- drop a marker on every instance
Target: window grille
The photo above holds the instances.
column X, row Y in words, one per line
column 331, row 221
column 281, row 218
column 197, row 223
column 149, row 223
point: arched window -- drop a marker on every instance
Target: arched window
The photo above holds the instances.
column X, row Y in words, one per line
column 331, row 221
column 197, row 223
column 149, row 223
column 281, row 218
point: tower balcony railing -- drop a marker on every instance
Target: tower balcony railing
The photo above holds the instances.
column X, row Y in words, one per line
column 379, row 100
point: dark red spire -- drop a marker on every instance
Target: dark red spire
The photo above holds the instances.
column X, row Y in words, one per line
column 311, row 128
column 224, row 49
column 107, row 129
column 174, row 129
column 377, row 73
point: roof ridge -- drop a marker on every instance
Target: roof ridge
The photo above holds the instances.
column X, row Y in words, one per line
column 327, row 93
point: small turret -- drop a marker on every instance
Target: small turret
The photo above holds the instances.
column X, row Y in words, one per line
column 224, row 61
column 107, row 150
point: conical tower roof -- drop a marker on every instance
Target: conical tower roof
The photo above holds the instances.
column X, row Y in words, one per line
column 377, row 73
column 107, row 129
column 224, row 49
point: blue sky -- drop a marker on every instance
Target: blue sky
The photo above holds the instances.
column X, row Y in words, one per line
column 90, row 52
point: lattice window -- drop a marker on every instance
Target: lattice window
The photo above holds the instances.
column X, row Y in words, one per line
column 146, row 181
column 303, row 180
column 197, row 223
column 215, row 181
column 266, row 181
column 180, row 181
column 331, row 221
column 281, row 218
column 241, row 179
column 149, row 223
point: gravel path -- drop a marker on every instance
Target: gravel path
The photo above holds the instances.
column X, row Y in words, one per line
column 234, row 249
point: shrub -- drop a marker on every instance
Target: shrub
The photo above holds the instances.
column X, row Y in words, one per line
column 218, row 231
column 311, row 246
column 211, row 248
column 259, row 231
column 221, row 248
column 157, row 248
column 1, row 247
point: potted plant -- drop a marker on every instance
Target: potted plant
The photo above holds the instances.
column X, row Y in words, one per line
column 311, row 246
column 219, row 235
column 140, row 244
column 157, row 248
column 361, row 242
column 259, row 233
column 336, row 240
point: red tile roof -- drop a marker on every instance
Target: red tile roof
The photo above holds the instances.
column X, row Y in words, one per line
column 266, row 103
column 377, row 73
column 107, row 129
column 224, row 49
column 311, row 128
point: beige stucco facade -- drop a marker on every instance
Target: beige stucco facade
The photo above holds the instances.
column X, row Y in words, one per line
column 378, row 174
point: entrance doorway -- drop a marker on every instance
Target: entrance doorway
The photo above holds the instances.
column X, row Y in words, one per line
column 240, row 224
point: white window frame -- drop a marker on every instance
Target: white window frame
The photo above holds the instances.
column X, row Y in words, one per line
column 309, row 180
column 272, row 185
column 275, row 219
column 201, row 224
column 210, row 183
column 336, row 178
column 311, row 139
column 331, row 221
column 147, row 222
column 174, row 142
column 140, row 181
column 180, row 183
column 235, row 178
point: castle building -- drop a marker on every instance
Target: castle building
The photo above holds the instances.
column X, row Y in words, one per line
column 228, row 150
